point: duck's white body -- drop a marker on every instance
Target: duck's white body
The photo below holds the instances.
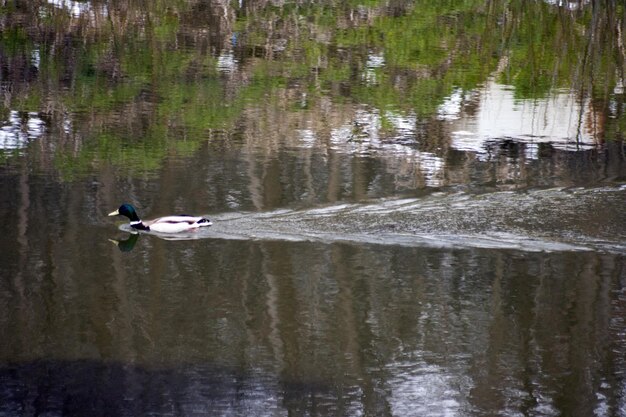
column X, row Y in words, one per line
column 173, row 224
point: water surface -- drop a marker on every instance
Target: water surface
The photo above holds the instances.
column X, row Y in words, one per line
column 418, row 208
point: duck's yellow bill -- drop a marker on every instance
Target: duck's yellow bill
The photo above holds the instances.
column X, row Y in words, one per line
column 114, row 213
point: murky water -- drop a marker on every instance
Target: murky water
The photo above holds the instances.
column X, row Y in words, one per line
column 418, row 208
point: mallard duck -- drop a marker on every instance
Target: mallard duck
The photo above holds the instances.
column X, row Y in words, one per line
column 167, row 224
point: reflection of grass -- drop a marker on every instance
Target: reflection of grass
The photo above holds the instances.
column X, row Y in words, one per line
column 71, row 166
column 129, row 157
column 424, row 47
column 171, row 96
column 183, row 117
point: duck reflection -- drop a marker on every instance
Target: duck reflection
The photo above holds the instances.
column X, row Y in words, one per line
column 128, row 244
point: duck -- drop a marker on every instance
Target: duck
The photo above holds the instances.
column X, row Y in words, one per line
column 167, row 224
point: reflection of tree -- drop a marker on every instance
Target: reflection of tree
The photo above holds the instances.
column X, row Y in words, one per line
column 498, row 331
column 130, row 74
column 549, row 334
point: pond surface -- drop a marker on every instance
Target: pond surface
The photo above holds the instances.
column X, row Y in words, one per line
column 417, row 206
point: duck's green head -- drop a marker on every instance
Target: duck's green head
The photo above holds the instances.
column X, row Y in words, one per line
column 126, row 210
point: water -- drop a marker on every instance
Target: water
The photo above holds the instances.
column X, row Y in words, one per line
column 417, row 208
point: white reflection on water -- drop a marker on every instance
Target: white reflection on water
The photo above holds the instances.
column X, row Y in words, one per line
column 307, row 138
column 17, row 131
column 560, row 120
column 374, row 61
column 226, row 62
column 571, row 5
column 451, row 107
column 35, row 56
column 75, row 8
column 426, row 390
column 397, row 145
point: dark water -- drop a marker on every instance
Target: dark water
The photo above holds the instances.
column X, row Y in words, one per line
column 418, row 208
